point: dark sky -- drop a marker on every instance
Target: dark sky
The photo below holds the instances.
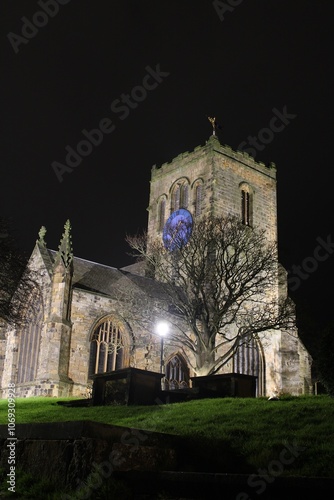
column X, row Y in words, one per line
column 242, row 64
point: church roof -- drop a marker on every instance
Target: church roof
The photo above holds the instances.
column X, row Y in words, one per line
column 106, row 280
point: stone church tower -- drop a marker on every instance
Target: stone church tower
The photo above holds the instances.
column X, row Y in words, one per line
column 82, row 317
column 214, row 179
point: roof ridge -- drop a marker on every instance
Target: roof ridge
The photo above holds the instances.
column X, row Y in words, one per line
column 86, row 260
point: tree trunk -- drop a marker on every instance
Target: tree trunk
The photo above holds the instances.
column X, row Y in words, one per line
column 205, row 357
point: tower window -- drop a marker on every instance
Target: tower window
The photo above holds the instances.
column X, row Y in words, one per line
column 198, row 200
column 162, row 212
column 180, row 195
column 176, row 198
column 246, row 206
column 184, row 196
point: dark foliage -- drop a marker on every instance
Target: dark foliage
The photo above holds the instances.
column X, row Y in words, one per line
column 16, row 281
column 325, row 359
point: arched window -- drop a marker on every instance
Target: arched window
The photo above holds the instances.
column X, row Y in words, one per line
column 249, row 360
column 176, row 373
column 161, row 214
column 109, row 350
column 198, row 200
column 184, row 196
column 180, row 195
column 29, row 346
column 246, row 204
column 176, row 198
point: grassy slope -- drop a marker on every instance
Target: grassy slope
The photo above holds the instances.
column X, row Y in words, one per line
column 257, row 430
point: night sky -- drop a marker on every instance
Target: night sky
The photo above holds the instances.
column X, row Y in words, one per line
column 149, row 73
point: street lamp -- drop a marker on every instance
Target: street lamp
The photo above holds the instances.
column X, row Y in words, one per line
column 162, row 329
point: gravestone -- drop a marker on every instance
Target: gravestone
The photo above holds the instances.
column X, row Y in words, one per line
column 225, row 385
column 127, row 386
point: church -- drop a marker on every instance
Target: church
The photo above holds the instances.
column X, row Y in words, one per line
column 81, row 318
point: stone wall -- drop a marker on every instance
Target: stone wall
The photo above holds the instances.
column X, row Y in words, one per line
column 67, row 452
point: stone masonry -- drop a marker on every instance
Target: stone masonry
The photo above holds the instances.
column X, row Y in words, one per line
column 82, row 303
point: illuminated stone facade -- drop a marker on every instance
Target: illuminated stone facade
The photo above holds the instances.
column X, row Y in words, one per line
column 81, row 306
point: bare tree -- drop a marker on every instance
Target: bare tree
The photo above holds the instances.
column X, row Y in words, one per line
column 16, row 281
column 223, row 283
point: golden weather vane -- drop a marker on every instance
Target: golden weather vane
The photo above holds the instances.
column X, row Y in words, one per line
column 213, row 123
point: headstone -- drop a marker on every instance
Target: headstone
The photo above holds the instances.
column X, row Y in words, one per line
column 127, row 386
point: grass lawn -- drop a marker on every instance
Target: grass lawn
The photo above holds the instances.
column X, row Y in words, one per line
column 257, row 430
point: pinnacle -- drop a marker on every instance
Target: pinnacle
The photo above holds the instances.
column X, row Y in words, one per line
column 41, row 236
column 65, row 250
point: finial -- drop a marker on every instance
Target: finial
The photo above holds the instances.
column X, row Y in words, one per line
column 41, row 234
column 65, row 251
column 213, row 123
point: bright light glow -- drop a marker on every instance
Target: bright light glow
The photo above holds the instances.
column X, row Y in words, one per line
column 162, row 328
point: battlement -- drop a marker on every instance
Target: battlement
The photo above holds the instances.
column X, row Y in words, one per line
column 215, row 146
